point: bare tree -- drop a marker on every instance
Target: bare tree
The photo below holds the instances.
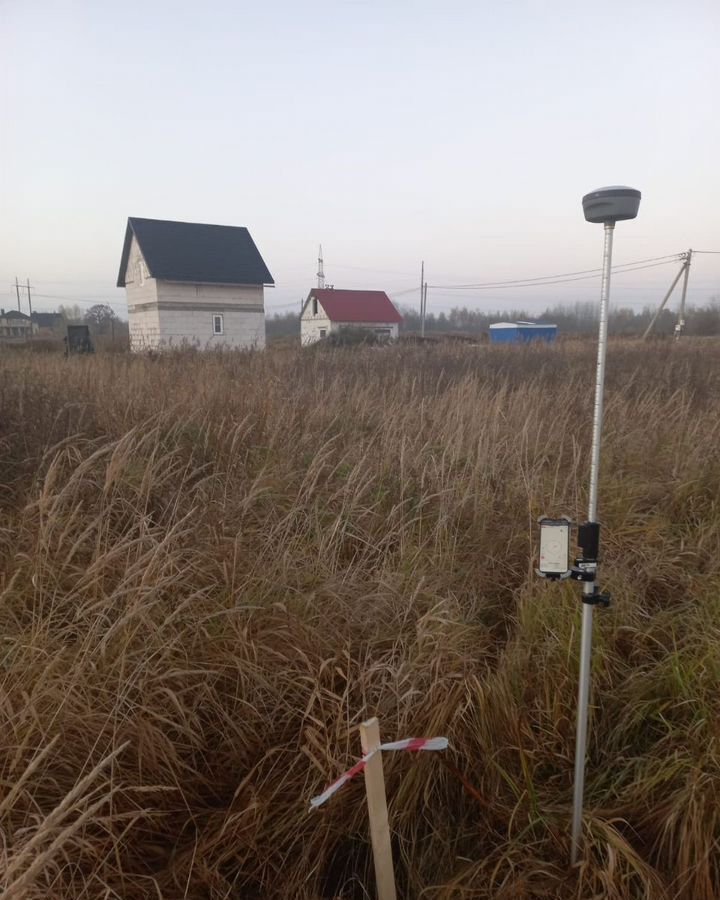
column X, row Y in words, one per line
column 71, row 313
column 100, row 318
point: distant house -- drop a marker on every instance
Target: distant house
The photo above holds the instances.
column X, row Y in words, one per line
column 192, row 284
column 327, row 310
column 522, row 332
column 15, row 326
column 49, row 324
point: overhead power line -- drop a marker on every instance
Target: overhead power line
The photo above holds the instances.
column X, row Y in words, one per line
column 504, row 285
column 560, row 274
column 412, row 290
column 81, row 300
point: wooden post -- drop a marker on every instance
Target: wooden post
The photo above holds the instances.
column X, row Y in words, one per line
column 377, row 809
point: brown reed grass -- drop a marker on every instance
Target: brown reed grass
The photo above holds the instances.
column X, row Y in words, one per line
column 213, row 567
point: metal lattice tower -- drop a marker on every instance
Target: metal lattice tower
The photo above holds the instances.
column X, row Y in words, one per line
column 320, row 272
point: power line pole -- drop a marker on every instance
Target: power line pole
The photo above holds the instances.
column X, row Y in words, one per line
column 422, row 299
column 17, row 291
column 680, row 326
column 666, row 298
column 29, row 297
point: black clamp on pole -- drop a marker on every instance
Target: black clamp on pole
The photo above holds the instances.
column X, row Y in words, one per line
column 585, row 567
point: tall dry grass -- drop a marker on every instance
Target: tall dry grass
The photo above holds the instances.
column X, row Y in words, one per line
column 215, row 567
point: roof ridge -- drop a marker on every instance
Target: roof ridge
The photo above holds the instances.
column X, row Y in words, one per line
column 184, row 222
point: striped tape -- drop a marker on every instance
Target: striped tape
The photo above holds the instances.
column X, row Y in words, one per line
column 438, row 743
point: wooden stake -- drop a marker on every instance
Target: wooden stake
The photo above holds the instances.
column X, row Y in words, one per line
column 377, row 809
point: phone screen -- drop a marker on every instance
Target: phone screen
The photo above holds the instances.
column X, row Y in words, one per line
column 554, row 546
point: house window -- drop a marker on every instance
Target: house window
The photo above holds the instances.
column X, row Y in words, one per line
column 323, row 332
column 314, row 306
column 217, row 324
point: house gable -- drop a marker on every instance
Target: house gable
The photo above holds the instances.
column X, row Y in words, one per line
column 134, row 269
column 307, row 310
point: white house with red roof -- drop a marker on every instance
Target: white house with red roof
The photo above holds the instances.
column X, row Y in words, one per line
column 327, row 310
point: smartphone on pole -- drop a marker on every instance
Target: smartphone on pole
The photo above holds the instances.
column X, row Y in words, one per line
column 554, row 547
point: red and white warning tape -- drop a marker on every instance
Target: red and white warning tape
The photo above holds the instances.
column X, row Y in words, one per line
column 439, row 743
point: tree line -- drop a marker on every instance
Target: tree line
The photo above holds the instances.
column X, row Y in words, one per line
column 100, row 317
column 576, row 318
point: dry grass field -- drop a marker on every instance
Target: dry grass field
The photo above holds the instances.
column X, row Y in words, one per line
column 212, row 568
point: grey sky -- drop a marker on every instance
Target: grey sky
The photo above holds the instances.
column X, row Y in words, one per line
column 464, row 133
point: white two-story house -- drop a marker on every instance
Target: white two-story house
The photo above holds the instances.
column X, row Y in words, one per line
column 192, row 284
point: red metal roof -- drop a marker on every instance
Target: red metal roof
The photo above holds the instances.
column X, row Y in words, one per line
column 356, row 306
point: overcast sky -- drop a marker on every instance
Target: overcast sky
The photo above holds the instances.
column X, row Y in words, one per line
column 461, row 133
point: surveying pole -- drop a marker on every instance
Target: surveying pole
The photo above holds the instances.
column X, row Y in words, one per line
column 605, row 206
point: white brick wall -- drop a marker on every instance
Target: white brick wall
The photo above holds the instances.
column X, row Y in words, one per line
column 195, row 327
column 235, row 295
column 141, row 294
column 144, row 329
column 172, row 314
column 310, row 328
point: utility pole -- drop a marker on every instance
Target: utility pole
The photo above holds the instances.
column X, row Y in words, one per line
column 29, row 297
column 680, row 326
column 17, row 291
column 422, row 299
column 424, row 307
column 654, row 319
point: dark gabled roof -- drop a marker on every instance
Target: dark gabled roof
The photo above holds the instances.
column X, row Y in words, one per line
column 46, row 319
column 187, row 251
column 15, row 314
column 356, row 306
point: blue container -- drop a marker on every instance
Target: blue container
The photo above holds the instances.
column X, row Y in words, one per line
column 521, row 332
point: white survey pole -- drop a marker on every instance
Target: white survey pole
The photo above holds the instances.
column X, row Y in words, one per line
column 606, row 206
column 589, row 586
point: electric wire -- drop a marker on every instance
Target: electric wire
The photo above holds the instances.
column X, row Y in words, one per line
column 79, row 299
column 537, row 281
column 411, row 290
column 523, row 284
column 543, row 278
